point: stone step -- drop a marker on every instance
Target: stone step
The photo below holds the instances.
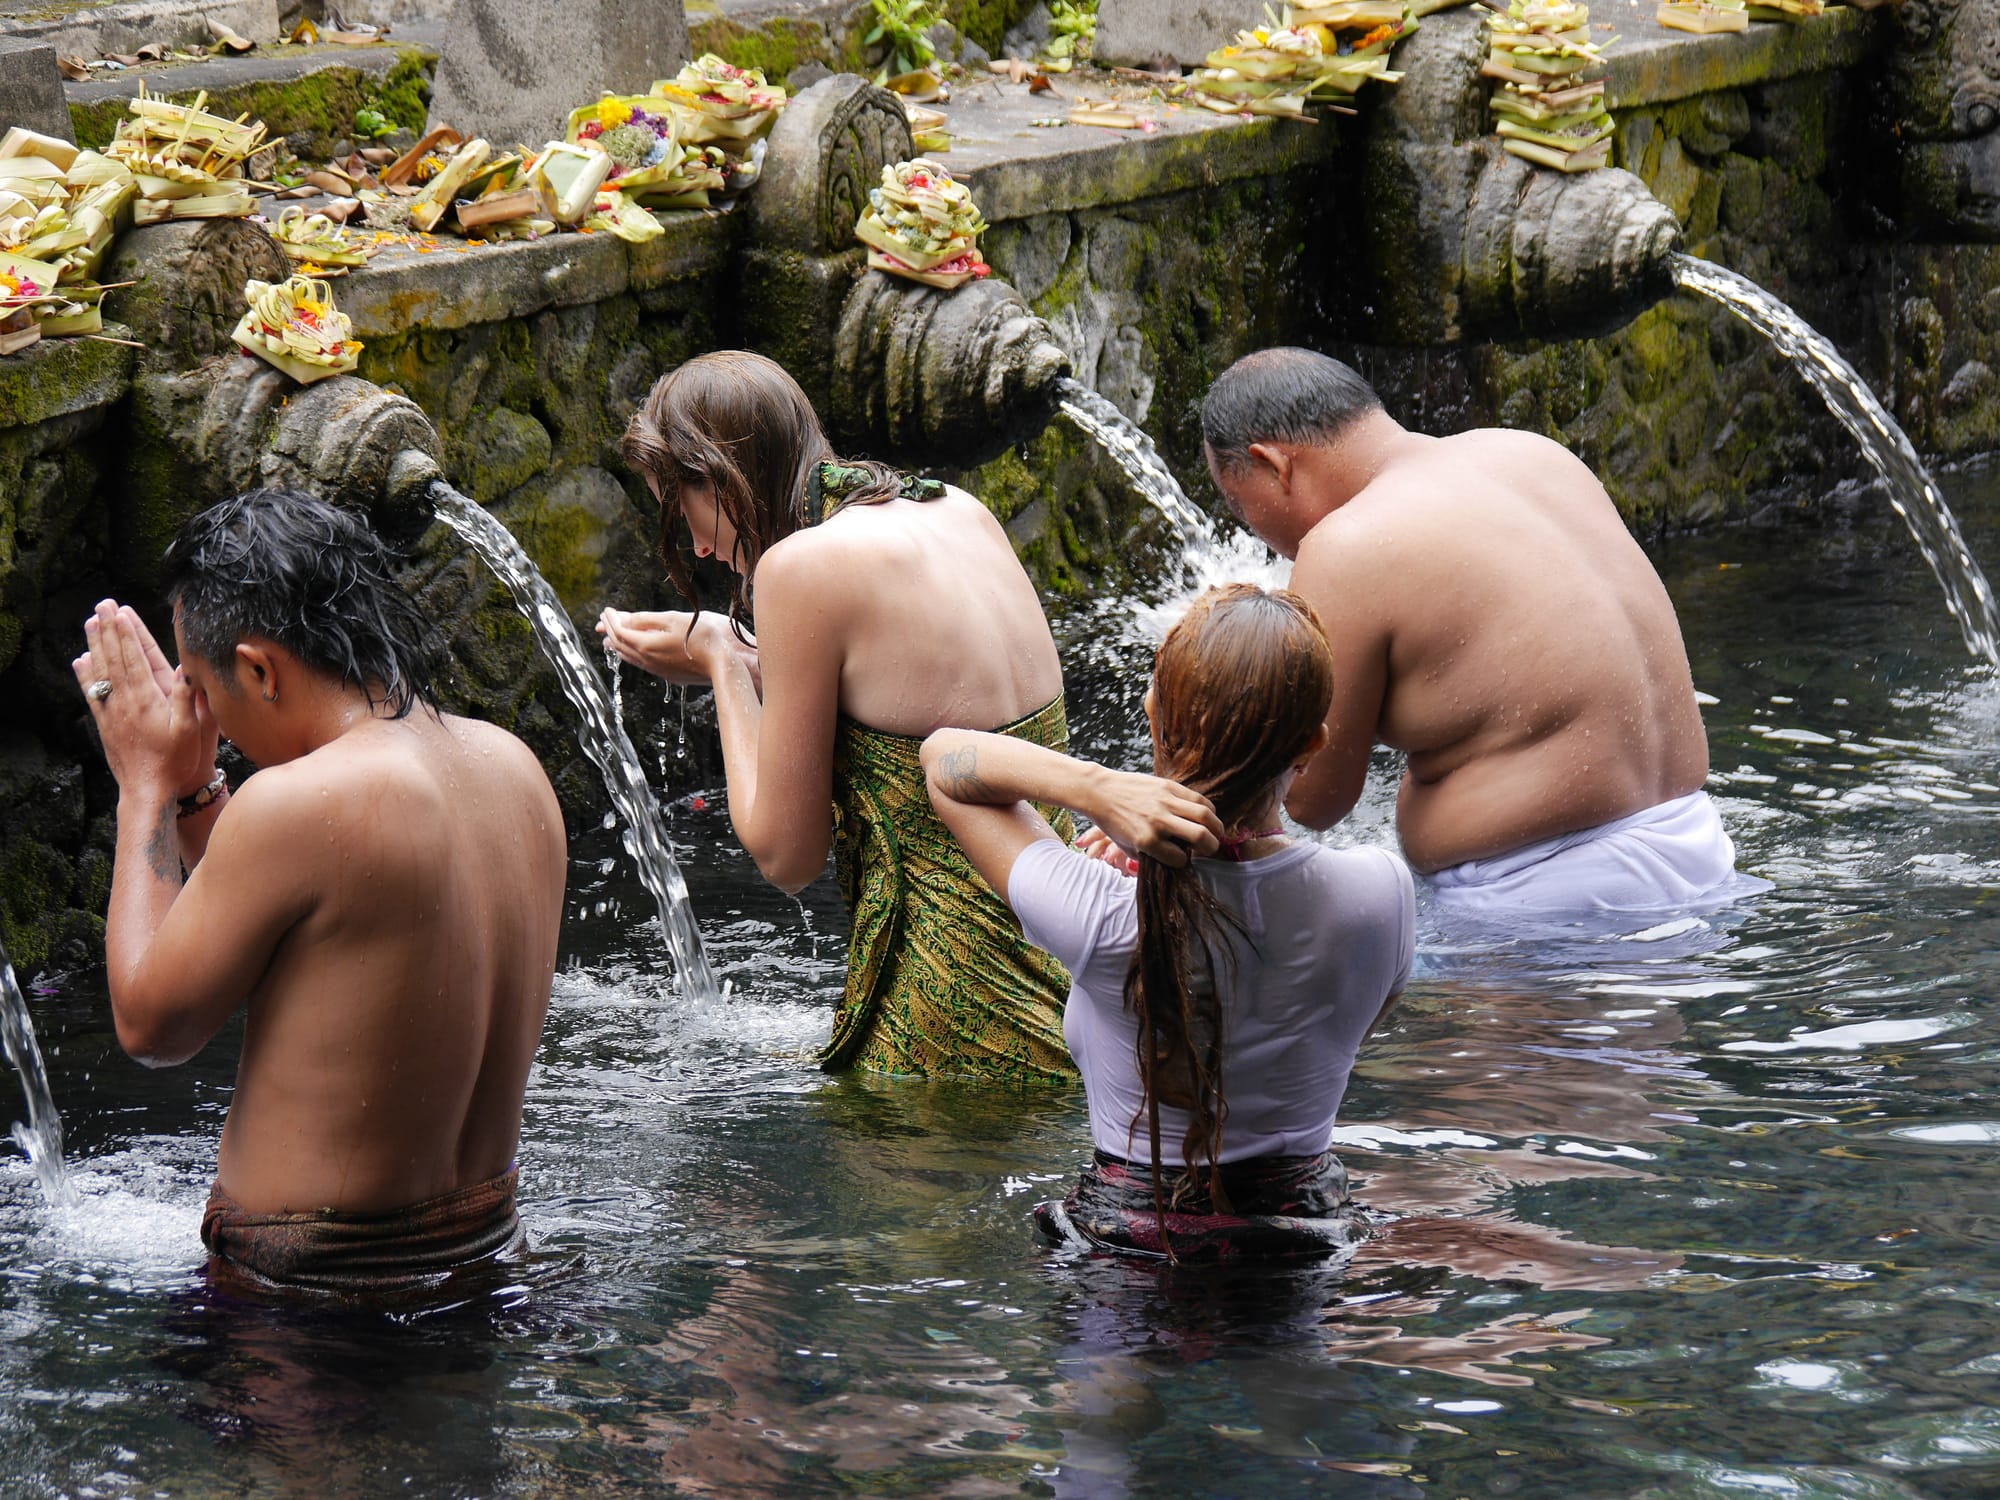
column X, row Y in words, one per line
column 89, row 28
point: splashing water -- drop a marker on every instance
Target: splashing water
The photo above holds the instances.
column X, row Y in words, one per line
column 601, row 734
column 41, row 1137
column 1208, row 556
column 1913, row 494
column 1134, row 452
column 614, row 668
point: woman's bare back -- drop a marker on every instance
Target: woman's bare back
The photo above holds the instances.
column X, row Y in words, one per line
column 944, row 628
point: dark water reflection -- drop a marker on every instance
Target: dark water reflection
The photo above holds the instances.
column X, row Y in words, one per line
column 1703, row 1209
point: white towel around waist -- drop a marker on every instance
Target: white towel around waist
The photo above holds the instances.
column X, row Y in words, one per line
column 1675, row 854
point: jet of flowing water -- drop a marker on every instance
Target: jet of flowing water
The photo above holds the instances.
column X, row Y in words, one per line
column 41, row 1137
column 601, row 733
column 1913, row 494
column 1134, row 452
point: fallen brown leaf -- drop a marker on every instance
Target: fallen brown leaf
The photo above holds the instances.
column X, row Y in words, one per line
column 329, row 182
column 123, row 59
column 305, row 32
column 405, row 166
column 153, row 52
column 234, row 41
column 75, row 69
column 376, row 156
column 352, row 38
column 1017, row 70
column 1040, row 84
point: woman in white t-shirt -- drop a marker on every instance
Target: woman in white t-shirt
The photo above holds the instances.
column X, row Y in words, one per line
column 1217, row 1000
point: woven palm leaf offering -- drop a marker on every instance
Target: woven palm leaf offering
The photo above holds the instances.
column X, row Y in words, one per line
column 1786, row 10
column 1279, row 70
column 1550, row 104
column 922, row 225
column 650, row 164
column 25, row 285
column 314, row 240
column 294, row 326
column 1704, row 17
column 715, row 103
column 188, row 163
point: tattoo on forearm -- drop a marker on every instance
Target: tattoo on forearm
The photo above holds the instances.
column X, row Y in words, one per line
column 958, row 774
column 163, row 849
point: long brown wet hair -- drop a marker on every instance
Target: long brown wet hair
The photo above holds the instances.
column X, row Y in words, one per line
column 1240, row 686
column 738, row 421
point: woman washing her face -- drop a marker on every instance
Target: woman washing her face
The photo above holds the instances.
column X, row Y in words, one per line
column 885, row 607
column 1218, row 1002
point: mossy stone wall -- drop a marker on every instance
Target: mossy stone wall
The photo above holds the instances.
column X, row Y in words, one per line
column 56, row 402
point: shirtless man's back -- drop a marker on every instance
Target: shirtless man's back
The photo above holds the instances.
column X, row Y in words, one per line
column 384, row 895
column 1492, row 618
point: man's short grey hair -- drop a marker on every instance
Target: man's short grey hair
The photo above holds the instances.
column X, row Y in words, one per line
column 1281, row 396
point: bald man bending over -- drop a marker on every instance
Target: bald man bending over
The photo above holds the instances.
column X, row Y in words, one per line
column 1492, row 618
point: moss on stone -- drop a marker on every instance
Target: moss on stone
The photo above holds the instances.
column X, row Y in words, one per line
column 776, row 45
column 319, row 105
column 986, row 22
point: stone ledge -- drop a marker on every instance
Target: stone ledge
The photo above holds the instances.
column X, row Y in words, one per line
column 59, row 377
column 460, row 284
column 1653, row 65
column 1017, row 169
column 291, row 89
column 90, row 27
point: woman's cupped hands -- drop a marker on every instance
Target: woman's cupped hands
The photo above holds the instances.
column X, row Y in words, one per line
column 674, row 645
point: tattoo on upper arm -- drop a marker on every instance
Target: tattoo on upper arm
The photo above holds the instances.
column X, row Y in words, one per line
column 958, row 774
column 163, row 849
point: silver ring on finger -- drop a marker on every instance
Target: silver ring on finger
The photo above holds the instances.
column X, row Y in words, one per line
column 99, row 690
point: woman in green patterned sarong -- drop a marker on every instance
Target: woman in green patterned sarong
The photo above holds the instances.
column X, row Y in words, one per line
column 886, row 608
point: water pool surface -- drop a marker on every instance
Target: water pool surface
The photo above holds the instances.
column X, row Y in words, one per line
column 1704, row 1208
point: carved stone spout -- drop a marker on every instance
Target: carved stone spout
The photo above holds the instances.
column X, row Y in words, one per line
column 1553, row 255
column 947, row 378
column 1465, row 242
column 1942, row 131
column 210, row 421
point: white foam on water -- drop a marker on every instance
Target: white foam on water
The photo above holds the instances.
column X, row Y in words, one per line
column 1856, row 1036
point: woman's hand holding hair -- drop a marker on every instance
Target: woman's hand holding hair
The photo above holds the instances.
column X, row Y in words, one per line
column 1150, row 815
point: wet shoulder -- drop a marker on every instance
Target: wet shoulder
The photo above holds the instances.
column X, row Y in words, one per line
column 1366, row 886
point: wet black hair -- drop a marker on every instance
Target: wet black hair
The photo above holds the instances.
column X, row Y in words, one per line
column 1282, row 395
column 289, row 568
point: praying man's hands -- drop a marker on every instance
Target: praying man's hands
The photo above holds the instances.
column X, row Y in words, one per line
column 158, row 734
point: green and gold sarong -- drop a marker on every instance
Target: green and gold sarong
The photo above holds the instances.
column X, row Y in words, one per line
column 939, row 978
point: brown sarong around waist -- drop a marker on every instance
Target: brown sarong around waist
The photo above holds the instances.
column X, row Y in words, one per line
column 1281, row 1207
column 328, row 1250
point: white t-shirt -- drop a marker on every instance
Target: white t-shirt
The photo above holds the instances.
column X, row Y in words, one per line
column 1331, row 935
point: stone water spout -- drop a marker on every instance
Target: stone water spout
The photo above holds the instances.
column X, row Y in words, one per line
column 210, row 422
column 1465, row 242
column 948, row 378
column 928, row 377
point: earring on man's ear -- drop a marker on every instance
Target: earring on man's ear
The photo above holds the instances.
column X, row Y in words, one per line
column 272, row 696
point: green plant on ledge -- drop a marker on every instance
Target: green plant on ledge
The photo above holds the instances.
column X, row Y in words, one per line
column 901, row 27
column 372, row 124
column 1072, row 33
